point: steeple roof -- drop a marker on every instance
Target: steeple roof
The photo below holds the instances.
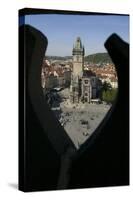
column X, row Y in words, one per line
column 78, row 48
column 78, row 43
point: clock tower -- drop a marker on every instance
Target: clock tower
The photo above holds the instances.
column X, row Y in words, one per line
column 77, row 70
column 78, row 59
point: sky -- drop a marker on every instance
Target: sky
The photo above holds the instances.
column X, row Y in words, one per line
column 62, row 31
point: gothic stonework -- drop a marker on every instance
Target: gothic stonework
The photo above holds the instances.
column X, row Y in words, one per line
column 78, row 59
column 77, row 71
column 83, row 82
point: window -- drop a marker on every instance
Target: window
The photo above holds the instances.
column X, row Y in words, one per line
column 86, row 94
column 86, row 81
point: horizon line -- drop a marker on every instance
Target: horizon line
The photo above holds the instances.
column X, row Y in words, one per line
column 71, row 55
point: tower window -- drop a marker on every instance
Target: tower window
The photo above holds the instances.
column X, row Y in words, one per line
column 86, row 94
column 86, row 81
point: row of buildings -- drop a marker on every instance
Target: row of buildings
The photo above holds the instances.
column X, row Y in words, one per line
column 55, row 75
column 106, row 73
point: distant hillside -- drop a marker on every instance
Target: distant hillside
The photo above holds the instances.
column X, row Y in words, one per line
column 58, row 57
column 93, row 58
column 98, row 58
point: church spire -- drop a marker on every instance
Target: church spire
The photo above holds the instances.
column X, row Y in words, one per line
column 78, row 43
column 78, row 48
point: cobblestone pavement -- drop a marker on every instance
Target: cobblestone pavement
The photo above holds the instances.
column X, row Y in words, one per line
column 80, row 120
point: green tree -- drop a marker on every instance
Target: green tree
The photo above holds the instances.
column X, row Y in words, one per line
column 106, row 86
column 109, row 95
